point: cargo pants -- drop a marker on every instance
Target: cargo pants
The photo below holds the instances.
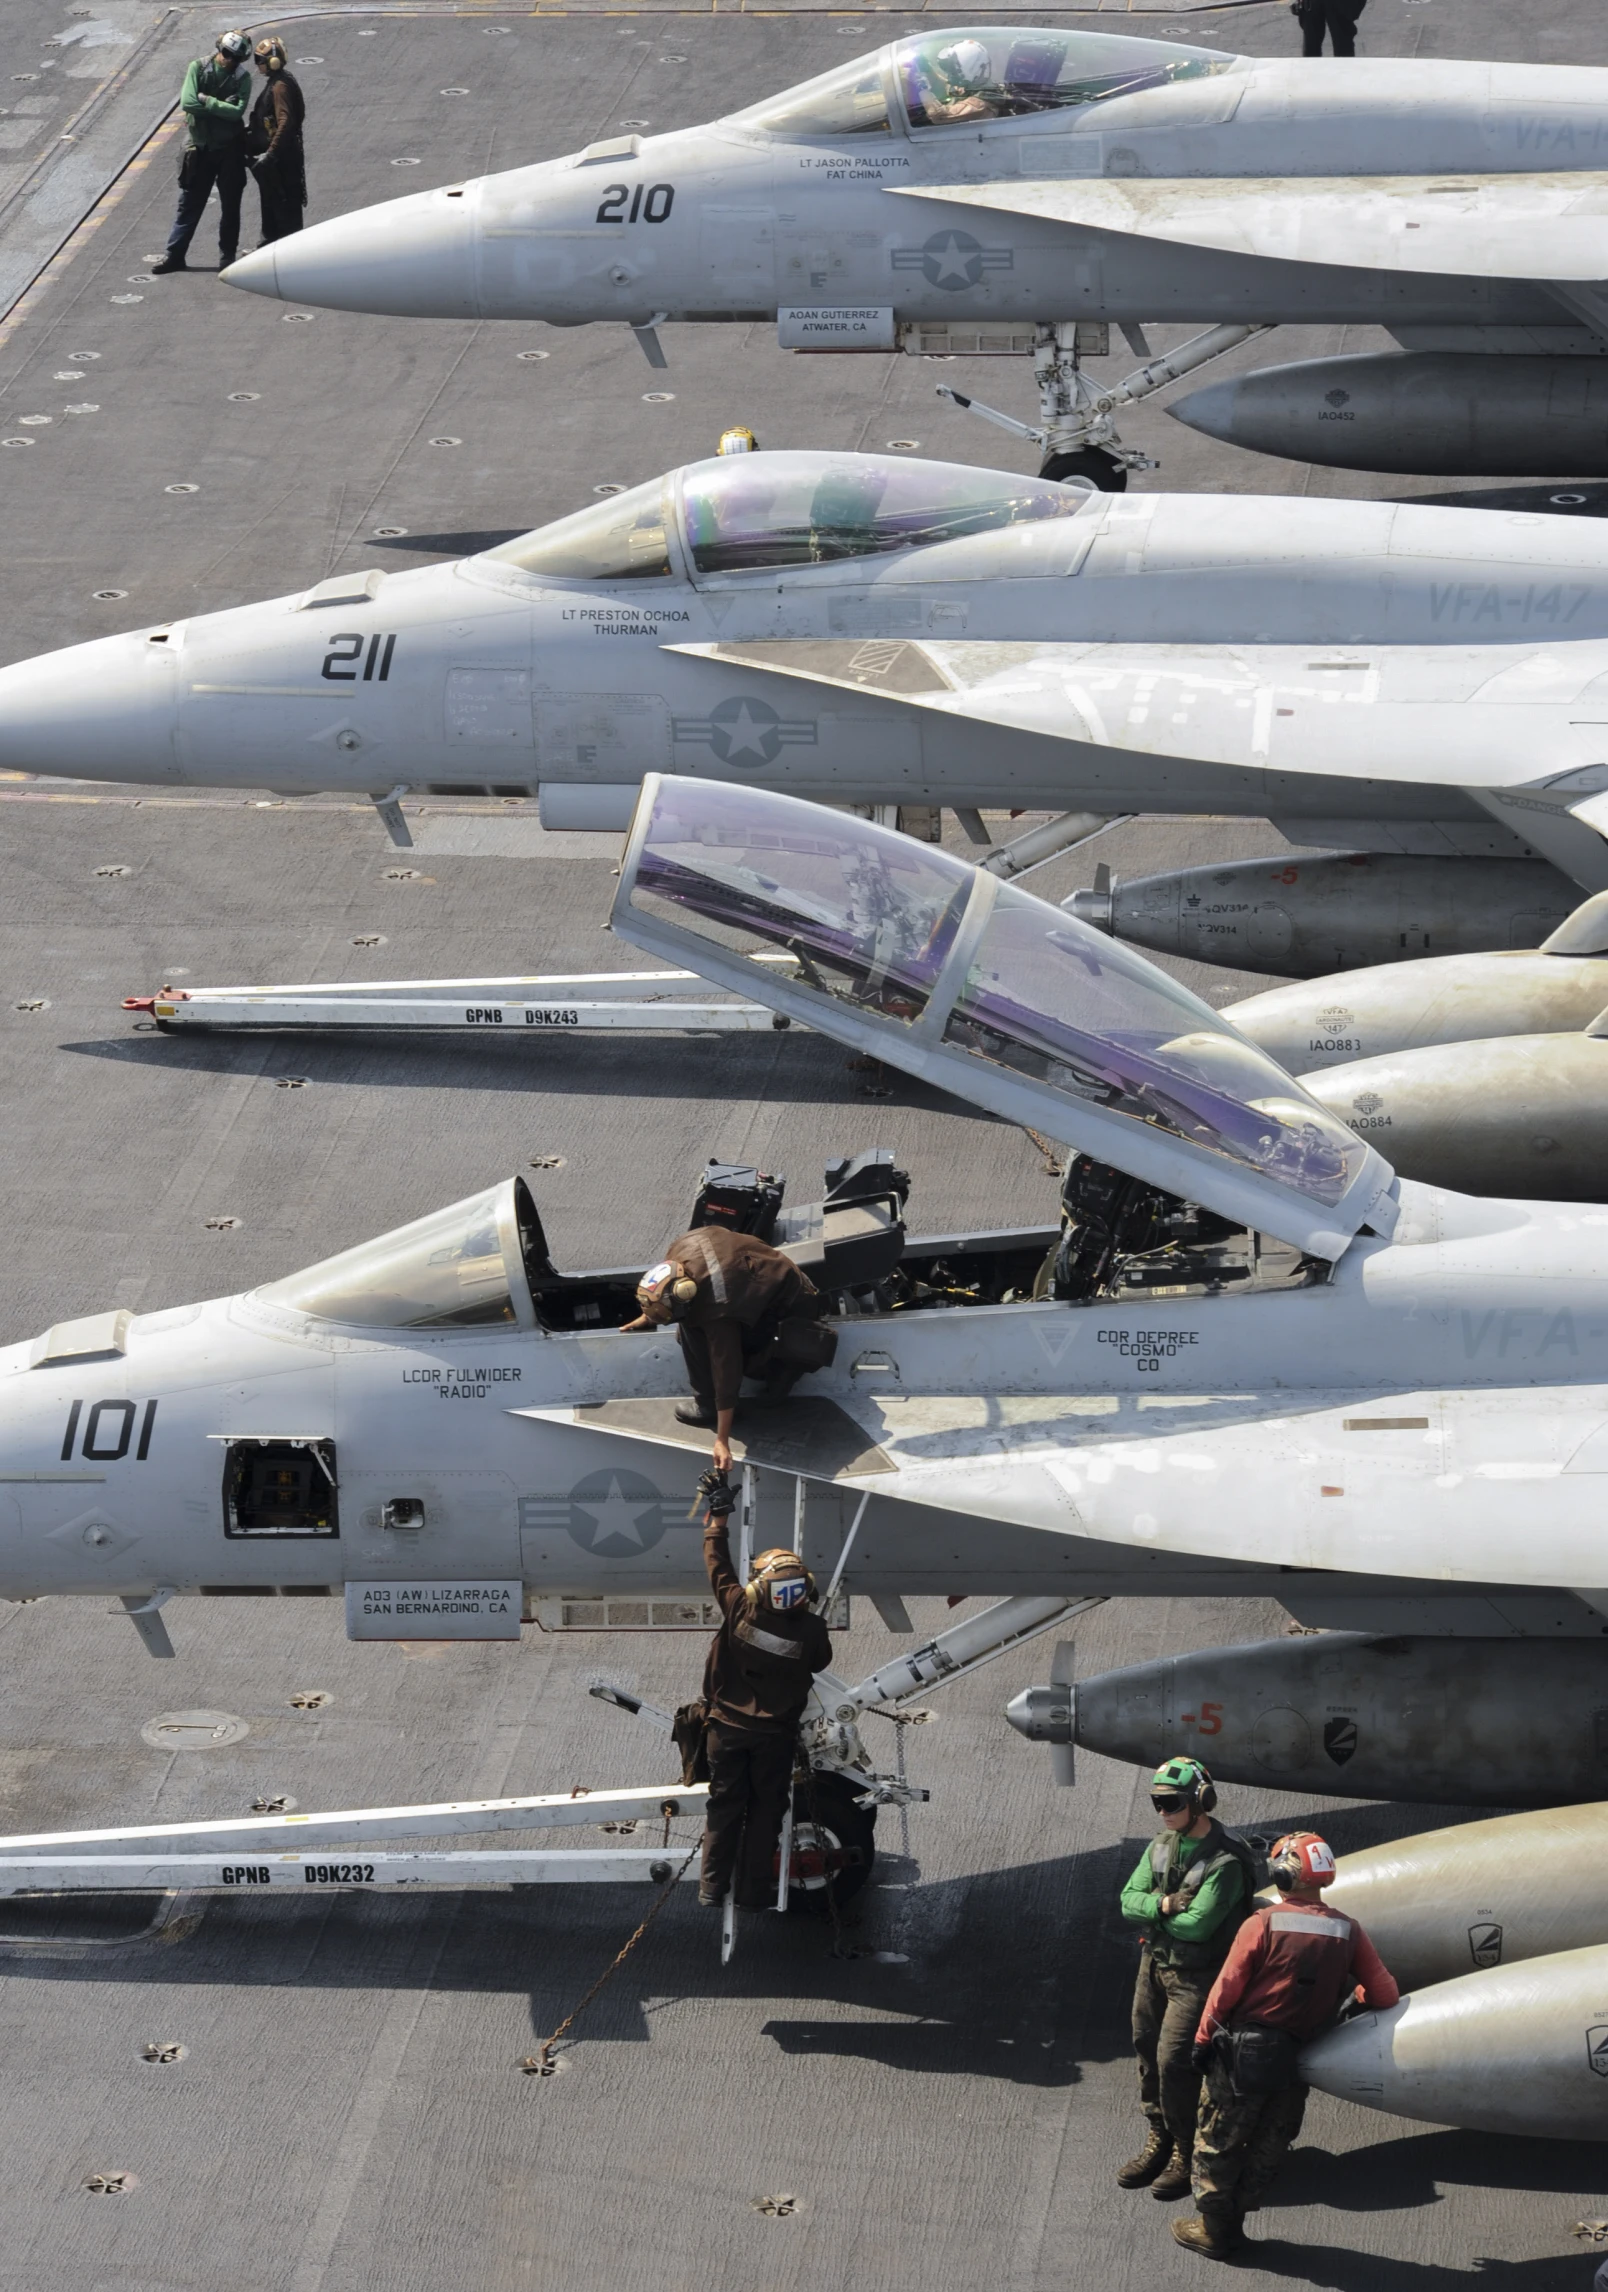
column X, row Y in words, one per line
column 1240, row 2145
column 1168, row 2002
column 750, row 1782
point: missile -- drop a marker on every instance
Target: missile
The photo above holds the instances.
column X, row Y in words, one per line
column 1481, row 1894
column 1518, row 2049
column 1558, row 988
column 1426, row 413
column 1299, row 918
column 1526, row 1115
column 1482, row 1722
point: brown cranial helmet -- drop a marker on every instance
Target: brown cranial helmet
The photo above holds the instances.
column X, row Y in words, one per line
column 781, row 1578
column 666, row 1288
column 271, row 54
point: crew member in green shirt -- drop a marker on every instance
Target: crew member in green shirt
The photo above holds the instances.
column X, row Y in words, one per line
column 1189, row 1896
column 213, row 100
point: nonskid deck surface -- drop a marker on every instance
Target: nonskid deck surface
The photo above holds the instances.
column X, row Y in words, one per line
column 349, row 2110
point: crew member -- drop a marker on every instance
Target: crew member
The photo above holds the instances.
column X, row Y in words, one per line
column 958, row 84
column 756, row 1684
column 1189, row 1894
column 739, row 439
column 740, row 1308
column 1336, row 17
column 1292, row 1965
column 213, row 100
column 274, row 143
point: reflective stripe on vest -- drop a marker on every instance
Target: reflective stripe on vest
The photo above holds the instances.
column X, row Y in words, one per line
column 1329, row 1923
column 717, row 1279
column 773, row 1644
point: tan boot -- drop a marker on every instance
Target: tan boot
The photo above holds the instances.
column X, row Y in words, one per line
column 1175, row 2182
column 1217, row 2238
column 1153, row 2158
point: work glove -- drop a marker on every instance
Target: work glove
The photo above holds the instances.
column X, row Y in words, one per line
column 1201, row 2056
column 716, row 1495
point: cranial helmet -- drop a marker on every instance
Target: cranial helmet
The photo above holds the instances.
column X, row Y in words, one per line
column 235, row 45
column 740, row 439
column 1301, row 1858
column 781, row 1578
column 1189, row 1780
column 963, row 63
column 271, row 52
column 666, row 1287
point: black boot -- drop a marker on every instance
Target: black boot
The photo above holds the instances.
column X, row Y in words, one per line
column 168, row 263
column 689, row 1413
column 1140, row 2171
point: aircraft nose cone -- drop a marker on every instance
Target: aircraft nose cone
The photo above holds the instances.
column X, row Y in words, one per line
column 101, row 711
column 411, row 258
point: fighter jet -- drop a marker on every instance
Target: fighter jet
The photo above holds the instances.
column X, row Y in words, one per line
column 1247, row 1358
column 1013, row 191
column 1419, row 682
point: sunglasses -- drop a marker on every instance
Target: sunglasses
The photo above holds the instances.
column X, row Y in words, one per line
column 1170, row 1805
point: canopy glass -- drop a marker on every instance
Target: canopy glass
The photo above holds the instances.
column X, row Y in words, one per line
column 460, row 1268
column 964, row 78
column 757, row 510
column 626, row 538
column 977, row 975
column 847, row 101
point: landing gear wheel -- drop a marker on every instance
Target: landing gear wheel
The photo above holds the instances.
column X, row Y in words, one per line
column 839, row 1855
column 1091, row 462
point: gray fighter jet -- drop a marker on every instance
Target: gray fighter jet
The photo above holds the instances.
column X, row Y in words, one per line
column 1013, row 191
column 1251, row 1359
column 1421, row 682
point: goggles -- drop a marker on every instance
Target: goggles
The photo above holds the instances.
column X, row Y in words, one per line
column 1168, row 1803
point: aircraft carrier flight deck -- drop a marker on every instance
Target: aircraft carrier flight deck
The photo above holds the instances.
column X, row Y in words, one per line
column 324, row 2092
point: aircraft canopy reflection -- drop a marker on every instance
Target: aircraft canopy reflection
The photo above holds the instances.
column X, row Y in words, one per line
column 976, row 985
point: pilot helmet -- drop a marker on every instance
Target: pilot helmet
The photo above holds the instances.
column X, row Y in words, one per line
column 739, row 439
column 962, row 65
column 235, row 45
column 1182, row 1782
column 781, row 1578
column 1301, row 1858
column 666, row 1288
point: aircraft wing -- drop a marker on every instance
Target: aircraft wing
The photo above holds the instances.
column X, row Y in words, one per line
column 1545, row 227
column 908, row 954
column 1273, row 1479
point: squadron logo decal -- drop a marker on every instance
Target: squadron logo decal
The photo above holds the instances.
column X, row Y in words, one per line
column 953, row 260
column 1597, row 2050
column 745, row 731
column 1485, row 1946
column 614, row 1515
column 1340, row 1739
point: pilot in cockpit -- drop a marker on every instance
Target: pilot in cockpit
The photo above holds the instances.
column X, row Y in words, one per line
column 956, row 84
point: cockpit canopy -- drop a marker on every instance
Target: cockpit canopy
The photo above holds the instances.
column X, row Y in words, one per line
column 469, row 1266
column 974, row 984
column 755, row 512
column 970, row 76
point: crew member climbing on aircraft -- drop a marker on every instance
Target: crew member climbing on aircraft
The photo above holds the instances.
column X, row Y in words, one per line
column 1189, row 1893
column 756, row 1683
column 1292, row 1966
column 740, row 1309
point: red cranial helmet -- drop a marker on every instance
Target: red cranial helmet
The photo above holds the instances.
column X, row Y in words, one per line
column 1301, row 1858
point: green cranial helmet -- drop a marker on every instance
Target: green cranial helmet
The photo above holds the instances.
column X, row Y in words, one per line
column 1187, row 1777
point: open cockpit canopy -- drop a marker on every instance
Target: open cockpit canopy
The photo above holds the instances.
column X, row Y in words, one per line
column 755, row 512
column 469, row 1266
column 940, row 968
column 977, row 73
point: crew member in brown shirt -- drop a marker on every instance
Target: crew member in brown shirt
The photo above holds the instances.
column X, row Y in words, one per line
column 739, row 1307
column 756, row 1684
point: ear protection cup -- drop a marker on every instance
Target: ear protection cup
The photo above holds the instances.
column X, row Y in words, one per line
column 683, row 1292
column 1208, row 1794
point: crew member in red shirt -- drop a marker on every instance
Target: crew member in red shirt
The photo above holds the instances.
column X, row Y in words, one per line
column 1293, row 1965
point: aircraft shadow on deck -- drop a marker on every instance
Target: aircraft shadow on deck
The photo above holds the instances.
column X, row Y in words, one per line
column 797, row 1068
